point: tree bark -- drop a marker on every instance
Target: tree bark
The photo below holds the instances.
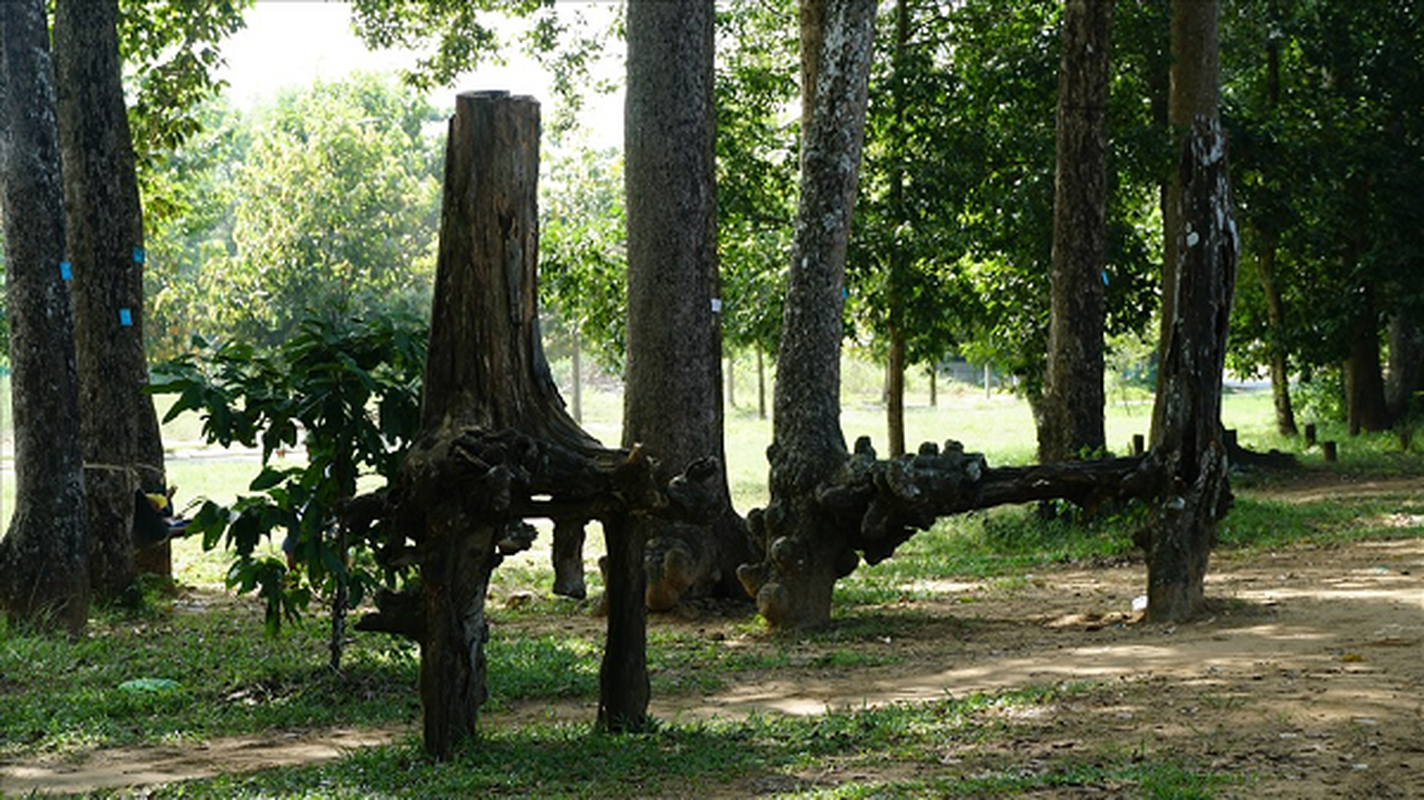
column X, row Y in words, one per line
column 1406, row 366
column 806, row 545
column 44, row 555
column 119, row 427
column 1072, row 419
column 673, row 393
column 1275, row 317
column 498, row 448
column 1186, row 421
column 1364, row 379
column 485, row 370
column 1194, row 80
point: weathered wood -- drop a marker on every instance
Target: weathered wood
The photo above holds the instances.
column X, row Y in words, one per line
column 485, row 371
column 497, row 447
column 1187, row 432
column 881, row 503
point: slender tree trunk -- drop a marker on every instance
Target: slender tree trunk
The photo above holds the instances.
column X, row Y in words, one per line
column 761, row 384
column 895, row 391
column 806, row 544
column 122, row 452
column 1364, row 379
column 1406, row 366
column 895, row 311
column 577, row 368
column 1073, row 403
column 731, row 382
column 44, row 555
column 1275, row 317
column 673, row 396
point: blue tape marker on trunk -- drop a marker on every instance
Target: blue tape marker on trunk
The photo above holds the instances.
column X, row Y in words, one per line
column 125, row 317
column 139, row 255
column 66, row 272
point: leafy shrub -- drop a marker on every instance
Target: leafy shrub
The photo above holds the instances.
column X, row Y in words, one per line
column 349, row 392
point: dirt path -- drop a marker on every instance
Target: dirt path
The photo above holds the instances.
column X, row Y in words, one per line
column 1309, row 677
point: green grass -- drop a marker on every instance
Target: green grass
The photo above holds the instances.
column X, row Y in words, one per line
column 785, row 753
column 63, row 697
column 58, row 695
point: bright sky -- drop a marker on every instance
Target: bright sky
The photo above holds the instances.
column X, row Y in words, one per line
column 290, row 43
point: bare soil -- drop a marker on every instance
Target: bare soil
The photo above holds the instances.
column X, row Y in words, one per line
column 1307, row 678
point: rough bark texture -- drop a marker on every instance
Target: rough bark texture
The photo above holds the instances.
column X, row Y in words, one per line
column 806, row 543
column 1186, row 422
column 44, row 556
column 1194, row 91
column 673, row 390
column 485, row 371
column 1406, row 366
column 119, row 427
column 1072, row 418
column 497, row 446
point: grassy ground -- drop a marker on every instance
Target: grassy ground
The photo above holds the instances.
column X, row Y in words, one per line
column 61, row 697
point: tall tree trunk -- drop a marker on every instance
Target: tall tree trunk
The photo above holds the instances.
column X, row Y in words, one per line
column 1197, row 295
column 1364, row 379
column 119, row 427
column 673, row 394
column 806, row 544
column 1266, row 270
column 1275, row 317
column 44, row 555
column 1073, row 402
column 1406, row 365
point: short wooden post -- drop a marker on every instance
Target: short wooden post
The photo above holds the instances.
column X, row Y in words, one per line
column 1330, row 450
column 1139, row 444
column 1310, row 434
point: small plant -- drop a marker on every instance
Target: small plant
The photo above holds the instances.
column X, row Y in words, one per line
column 349, row 394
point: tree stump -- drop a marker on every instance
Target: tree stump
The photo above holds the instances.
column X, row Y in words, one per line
column 497, row 447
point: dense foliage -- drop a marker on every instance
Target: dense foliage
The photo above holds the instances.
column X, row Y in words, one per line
column 324, row 203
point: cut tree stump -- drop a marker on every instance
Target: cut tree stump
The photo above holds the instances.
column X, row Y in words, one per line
column 497, row 446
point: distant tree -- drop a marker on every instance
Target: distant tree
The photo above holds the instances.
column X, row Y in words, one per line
column 756, row 172
column 583, row 259
column 123, row 449
column 338, row 214
column 453, row 38
column 44, row 556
